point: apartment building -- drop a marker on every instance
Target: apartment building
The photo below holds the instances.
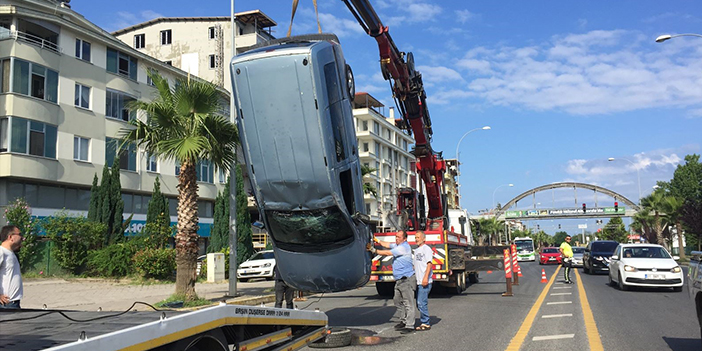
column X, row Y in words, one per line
column 385, row 148
column 200, row 46
column 64, row 85
column 453, row 199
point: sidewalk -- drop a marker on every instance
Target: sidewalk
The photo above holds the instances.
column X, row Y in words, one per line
column 91, row 294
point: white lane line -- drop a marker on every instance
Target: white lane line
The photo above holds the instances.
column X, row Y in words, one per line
column 559, row 303
column 553, row 337
column 563, row 287
column 558, row 294
column 557, row 315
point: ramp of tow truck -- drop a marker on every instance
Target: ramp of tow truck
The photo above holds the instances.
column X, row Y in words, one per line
column 255, row 326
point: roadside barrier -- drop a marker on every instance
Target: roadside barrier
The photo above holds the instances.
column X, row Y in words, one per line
column 515, row 264
column 508, row 273
column 543, row 276
column 519, row 270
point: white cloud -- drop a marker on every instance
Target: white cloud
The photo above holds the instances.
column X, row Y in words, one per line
column 463, row 16
column 437, row 74
column 477, row 66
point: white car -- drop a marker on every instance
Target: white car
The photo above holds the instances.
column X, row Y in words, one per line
column 647, row 265
column 578, row 252
column 260, row 265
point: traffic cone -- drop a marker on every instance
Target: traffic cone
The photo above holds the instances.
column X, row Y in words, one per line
column 519, row 270
column 543, row 276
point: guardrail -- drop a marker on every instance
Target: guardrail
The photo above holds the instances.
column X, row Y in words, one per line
column 31, row 39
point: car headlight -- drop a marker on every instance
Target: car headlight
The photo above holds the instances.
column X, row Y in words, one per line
column 267, row 265
column 599, row 258
column 676, row 269
column 628, row 268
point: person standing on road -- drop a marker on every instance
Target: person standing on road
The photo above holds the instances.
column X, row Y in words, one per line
column 10, row 275
column 282, row 291
column 405, row 281
column 567, row 257
column 423, row 256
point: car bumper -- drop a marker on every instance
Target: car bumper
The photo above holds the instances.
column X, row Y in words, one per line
column 247, row 273
column 547, row 261
column 599, row 266
column 577, row 263
column 526, row 258
column 653, row 279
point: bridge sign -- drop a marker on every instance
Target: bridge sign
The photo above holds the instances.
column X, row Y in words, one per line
column 561, row 212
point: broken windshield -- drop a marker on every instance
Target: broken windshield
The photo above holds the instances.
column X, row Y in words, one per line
column 316, row 227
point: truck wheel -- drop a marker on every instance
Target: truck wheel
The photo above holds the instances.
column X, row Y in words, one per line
column 473, row 277
column 337, row 337
column 385, row 289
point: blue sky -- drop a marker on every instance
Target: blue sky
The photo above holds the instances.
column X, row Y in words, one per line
column 564, row 85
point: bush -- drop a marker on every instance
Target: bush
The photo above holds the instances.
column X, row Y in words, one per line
column 155, row 263
column 72, row 238
column 19, row 214
column 112, row 261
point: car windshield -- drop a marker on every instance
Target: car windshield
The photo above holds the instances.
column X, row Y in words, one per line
column 550, row 251
column 262, row 256
column 578, row 250
column 645, row 252
column 604, row 247
column 318, row 227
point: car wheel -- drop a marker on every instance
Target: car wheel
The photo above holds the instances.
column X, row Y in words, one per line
column 243, row 280
column 473, row 278
column 385, row 289
column 611, row 282
column 622, row 286
column 337, row 337
column 677, row 288
column 585, row 269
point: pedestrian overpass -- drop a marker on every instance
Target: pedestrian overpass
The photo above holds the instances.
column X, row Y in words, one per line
column 629, row 210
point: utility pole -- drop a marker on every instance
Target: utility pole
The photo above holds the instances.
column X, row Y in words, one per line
column 232, row 188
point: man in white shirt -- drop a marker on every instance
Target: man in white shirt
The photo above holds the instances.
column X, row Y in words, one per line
column 423, row 256
column 10, row 276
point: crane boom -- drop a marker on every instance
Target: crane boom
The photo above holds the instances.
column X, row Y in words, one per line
column 408, row 91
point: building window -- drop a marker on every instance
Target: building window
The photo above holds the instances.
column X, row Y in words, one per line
column 82, row 96
column 83, row 50
column 365, row 147
column 31, row 79
column 170, row 63
column 204, row 171
column 364, row 125
column 222, row 176
column 121, row 63
column 149, row 81
column 81, row 147
column 211, row 33
column 404, row 145
column 377, row 150
column 27, row 137
column 166, row 37
column 376, row 127
column 116, row 106
column 126, row 156
column 213, row 61
column 152, row 163
column 5, row 75
column 139, row 41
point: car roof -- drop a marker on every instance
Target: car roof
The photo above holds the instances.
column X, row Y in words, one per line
column 605, row 241
column 641, row 245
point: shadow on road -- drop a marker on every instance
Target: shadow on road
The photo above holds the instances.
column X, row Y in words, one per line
column 680, row 344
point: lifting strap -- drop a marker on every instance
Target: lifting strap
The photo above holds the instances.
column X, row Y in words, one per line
column 292, row 16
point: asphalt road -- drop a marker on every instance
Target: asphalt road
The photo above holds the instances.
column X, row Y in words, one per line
column 482, row 319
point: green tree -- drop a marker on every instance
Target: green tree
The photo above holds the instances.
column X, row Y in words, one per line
column 219, row 235
column 19, row 214
column 687, row 179
column 673, row 208
column 72, row 238
column 111, row 208
column 158, row 211
column 244, row 249
column 615, row 230
column 655, row 203
column 368, row 188
column 692, row 218
column 95, row 201
column 184, row 123
column 559, row 238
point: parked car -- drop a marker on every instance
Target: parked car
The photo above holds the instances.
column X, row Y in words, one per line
column 260, row 265
column 549, row 255
column 694, row 284
column 647, row 265
column 578, row 252
column 294, row 101
column 597, row 255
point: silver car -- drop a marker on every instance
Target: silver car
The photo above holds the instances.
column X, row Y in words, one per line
column 578, row 256
column 293, row 98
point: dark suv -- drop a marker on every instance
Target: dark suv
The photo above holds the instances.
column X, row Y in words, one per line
column 597, row 256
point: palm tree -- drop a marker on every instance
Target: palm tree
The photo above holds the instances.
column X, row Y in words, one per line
column 184, row 124
column 673, row 208
column 643, row 223
column 368, row 188
column 656, row 203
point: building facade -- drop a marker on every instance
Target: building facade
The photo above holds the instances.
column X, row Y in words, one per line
column 200, row 46
column 453, row 198
column 386, row 149
column 65, row 84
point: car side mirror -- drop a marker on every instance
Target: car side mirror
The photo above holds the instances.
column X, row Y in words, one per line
column 676, row 257
column 615, row 257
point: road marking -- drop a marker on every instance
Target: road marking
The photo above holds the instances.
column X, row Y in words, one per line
column 563, row 287
column 559, row 303
column 553, row 337
column 557, row 315
column 521, row 334
column 559, row 294
column 593, row 336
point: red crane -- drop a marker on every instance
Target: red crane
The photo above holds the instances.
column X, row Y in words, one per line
column 409, row 95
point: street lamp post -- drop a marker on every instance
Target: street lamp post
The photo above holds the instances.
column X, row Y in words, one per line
column 459, row 162
column 638, row 175
column 493, row 193
column 665, row 37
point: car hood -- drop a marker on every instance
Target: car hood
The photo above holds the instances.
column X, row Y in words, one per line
column 650, row 263
column 257, row 263
column 603, row 254
column 578, row 255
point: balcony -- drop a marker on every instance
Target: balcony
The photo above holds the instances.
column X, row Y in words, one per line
column 30, row 39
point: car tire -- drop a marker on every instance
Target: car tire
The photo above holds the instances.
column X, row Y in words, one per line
column 677, row 288
column 610, row 281
column 385, row 289
column 585, row 269
column 622, row 285
column 473, row 278
column 243, row 280
column 337, row 337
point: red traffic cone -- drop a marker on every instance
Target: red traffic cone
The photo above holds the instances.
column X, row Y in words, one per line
column 519, row 270
column 543, row 276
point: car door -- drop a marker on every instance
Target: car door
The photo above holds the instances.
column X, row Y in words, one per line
column 614, row 264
